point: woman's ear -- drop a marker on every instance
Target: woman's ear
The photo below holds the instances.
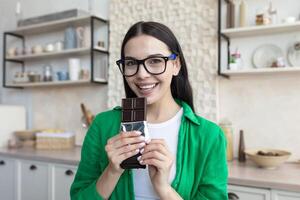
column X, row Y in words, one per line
column 177, row 67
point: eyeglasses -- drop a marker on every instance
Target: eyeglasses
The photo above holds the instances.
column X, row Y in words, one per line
column 154, row 65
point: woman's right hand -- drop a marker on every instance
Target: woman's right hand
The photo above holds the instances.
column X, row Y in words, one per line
column 121, row 147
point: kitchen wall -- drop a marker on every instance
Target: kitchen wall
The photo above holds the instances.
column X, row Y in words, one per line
column 266, row 107
column 195, row 25
column 52, row 107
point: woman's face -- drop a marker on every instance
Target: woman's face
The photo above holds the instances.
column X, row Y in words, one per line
column 154, row 87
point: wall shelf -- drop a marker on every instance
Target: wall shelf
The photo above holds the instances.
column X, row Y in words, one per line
column 53, row 83
column 255, row 71
column 260, row 30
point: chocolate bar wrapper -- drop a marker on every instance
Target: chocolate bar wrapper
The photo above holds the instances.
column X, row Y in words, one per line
column 132, row 162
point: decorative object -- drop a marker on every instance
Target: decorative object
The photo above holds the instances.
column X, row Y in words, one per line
column 70, row 38
column 265, row 55
column 50, row 17
column 243, row 13
column 230, row 14
column 293, row 54
column 242, row 155
column 268, row 158
column 226, row 126
column 74, row 69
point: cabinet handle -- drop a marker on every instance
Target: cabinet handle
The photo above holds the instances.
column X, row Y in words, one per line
column 232, row 196
column 69, row 172
column 32, row 167
column 2, row 162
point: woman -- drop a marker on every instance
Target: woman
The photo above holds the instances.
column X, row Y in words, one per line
column 185, row 157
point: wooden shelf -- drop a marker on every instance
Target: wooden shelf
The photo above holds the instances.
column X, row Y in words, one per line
column 261, row 30
column 80, row 51
column 53, row 25
column 261, row 71
column 54, row 83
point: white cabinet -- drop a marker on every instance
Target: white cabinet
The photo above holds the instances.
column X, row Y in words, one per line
column 63, row 176
column 7, row 178
column 34, row 180
column 284, row 195
column 253, row 193
column 249, row 193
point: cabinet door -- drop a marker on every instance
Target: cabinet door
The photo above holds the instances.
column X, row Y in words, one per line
column 284, row 195
column 250, row 193
column 63, row 178
column 7, row 178
column 34, row 180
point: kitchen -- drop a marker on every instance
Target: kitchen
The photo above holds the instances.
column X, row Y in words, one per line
column 249, row 93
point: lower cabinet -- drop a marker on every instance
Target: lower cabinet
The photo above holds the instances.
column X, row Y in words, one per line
column 34, row 179
column 7, row 178
column 31, row 180
column 249, row 193
column 283, row 195
column 63, row 178
column 253, row 193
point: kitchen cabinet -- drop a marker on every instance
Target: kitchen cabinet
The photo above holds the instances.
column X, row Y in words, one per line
column 34, row 180
column 7, row 178
column 63, row 176
column 284, row 195
column 30, row 49
column 248, row 39
column 255, row 193
column 249, row 193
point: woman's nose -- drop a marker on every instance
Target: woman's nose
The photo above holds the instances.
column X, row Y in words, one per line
column 142, row 72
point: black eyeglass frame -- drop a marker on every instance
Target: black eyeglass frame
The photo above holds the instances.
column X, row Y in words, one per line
column 120, row 62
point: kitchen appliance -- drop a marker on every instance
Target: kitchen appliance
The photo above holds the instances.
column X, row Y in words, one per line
column 12, row 118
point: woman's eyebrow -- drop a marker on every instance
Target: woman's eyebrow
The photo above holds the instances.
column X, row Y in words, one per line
column 149, row 56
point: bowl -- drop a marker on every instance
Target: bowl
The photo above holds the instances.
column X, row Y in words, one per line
column 268, row 158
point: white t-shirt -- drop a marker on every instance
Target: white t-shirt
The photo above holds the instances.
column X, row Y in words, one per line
column 168, row 131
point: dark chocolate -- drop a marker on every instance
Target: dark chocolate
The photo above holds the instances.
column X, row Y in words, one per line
column 134, row 109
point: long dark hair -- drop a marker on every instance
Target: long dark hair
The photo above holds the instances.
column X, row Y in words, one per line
column 180, row 85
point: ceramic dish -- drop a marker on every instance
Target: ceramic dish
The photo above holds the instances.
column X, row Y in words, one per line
column 265, row 55
column 268, row 158
column 293, row 55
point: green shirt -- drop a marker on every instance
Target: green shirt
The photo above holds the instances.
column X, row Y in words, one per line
column 201, row 167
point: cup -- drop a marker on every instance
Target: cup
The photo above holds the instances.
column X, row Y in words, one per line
column 59, row 46
column 74, row 69
column 62, row 75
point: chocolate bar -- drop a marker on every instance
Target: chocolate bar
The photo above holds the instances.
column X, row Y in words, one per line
column 134, row 118
column 133, row 109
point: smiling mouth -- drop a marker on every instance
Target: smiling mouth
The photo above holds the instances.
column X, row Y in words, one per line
column 148, row 87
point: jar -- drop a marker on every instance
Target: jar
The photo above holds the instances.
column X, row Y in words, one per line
column 226, row 126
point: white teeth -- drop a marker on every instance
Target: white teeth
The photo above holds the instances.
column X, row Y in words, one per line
column 147, row 86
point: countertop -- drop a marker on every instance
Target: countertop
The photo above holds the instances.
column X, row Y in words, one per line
column 69, row 157
column 286, row 177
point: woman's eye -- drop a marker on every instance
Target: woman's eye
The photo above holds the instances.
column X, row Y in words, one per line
column 130, row 62
column 155, row 60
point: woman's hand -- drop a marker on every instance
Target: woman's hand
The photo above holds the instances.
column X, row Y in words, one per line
column 121, row 147
column 159, row 160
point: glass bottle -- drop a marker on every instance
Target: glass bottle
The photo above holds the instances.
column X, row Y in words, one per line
column 226, row 126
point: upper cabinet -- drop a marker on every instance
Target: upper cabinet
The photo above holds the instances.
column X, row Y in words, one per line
column 258, row 37
column 70, row 51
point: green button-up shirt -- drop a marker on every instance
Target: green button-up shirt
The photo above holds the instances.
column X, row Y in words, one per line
column 201, row 167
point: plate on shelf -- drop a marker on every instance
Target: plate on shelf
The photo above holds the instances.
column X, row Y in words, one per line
column 293, row 55
column 265, row 55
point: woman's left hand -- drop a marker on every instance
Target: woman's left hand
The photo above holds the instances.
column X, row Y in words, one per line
column 159, row 160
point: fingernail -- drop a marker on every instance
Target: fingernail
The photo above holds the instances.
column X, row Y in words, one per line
column 142, row 150
column 142, row 144
column 148, row 141
column 137, row 151
column 138, row 132
column 141, row 161
column 139, row 158
column 142, row 138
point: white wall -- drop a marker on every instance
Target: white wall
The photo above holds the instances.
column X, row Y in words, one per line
column 52, row 107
